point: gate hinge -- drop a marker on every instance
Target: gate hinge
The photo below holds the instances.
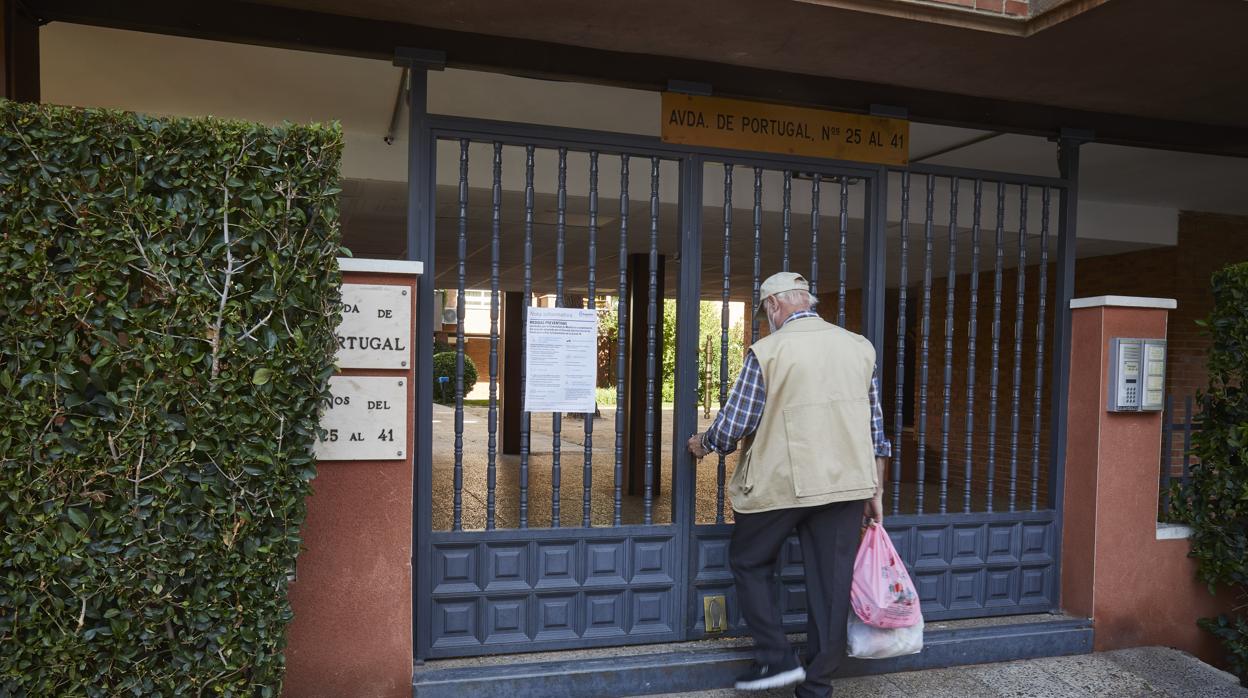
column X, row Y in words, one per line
column 1075, row 135
column 889, row 110
column 700, row 89
column 407, row 57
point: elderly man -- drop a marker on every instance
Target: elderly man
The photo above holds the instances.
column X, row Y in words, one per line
column 807, row 401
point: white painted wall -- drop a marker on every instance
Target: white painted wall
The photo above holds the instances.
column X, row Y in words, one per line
column 1130, row 222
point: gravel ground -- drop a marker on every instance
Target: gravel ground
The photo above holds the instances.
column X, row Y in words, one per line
column 475, row 473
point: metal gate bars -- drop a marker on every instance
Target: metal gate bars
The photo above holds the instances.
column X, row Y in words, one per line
column 549, row 545
column 955, row 289
column 975, row 492
column 538, row 532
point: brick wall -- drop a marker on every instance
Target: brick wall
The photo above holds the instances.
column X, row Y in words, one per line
column 478, row 349
column 1207, row 242
column 828, row 310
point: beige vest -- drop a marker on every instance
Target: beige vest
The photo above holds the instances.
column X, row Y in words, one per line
column 813, row 445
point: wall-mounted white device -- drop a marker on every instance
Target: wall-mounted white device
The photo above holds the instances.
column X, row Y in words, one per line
column 1137, row 375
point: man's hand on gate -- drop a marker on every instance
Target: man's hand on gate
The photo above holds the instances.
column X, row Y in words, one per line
column 695, row 446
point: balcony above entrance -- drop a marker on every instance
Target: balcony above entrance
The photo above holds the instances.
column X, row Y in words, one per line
column 1015, row 17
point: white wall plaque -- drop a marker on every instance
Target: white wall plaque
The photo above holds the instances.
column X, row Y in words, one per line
column 376, row 329
column 561, row 360
column 367, row 419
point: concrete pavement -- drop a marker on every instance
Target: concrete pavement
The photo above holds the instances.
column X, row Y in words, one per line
column 1146, row 672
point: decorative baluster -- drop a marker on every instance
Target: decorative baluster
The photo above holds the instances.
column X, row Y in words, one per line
column 621, row 336
column 758, row 249
column 1020, row 300
column 973, row 338
column 950, row 287
column 587, row 476
column 457, row 523
column 721, row 469
column 842, row 279
column 561, row 229
column 1167, row 454
column 525, row 421
column 814, row 234
column 787, row 220
column 491, row 468
column 1040, row 337
column 652, row 321
column 924, row 346
column 899, row 403
column 997, row 293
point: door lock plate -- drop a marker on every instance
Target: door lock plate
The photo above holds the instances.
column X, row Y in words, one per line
column 715, row 613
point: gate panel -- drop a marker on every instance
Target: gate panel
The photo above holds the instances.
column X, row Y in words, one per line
column 967, row 365
column 948, row 272
column 960, row 268
column 545, row 548
column 808, row 218
column 522, row 591
column 968, row 302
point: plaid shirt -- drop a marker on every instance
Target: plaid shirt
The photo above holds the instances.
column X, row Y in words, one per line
column 743, row 411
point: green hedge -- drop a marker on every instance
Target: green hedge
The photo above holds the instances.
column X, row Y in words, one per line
column 168, row 296
column 1216, row 501
column 444, row 367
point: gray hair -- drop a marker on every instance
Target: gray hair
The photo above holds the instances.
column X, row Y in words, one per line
column 797, row 298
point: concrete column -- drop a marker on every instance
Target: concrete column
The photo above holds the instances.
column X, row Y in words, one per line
column 19, row 53
column 1118, row 566
column 635, row 399
column 511, row 359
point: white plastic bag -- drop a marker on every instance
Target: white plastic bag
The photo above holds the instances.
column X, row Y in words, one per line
column 868, row 642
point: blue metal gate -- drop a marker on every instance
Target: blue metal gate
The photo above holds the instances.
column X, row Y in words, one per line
column 548, row 549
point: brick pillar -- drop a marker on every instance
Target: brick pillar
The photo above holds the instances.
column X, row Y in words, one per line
column 1117, row 569
column 352, row 596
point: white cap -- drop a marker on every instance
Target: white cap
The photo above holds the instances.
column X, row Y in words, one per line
column 779, row 283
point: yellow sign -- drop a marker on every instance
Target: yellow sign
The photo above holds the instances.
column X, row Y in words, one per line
column 730, row 123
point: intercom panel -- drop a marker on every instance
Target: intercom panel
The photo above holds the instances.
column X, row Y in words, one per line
column 1137, row 375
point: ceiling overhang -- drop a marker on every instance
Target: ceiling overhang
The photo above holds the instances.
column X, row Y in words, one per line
column 937, row 76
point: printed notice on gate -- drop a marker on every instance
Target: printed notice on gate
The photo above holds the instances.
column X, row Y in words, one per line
column 561, row 360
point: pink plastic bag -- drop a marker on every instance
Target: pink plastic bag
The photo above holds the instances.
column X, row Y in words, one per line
column 882, row 593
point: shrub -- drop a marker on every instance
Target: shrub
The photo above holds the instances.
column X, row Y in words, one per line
column 168, row 299
column 1217, row 501
column 444, row 367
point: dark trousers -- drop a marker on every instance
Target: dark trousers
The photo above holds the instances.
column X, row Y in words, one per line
column 829, row 535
